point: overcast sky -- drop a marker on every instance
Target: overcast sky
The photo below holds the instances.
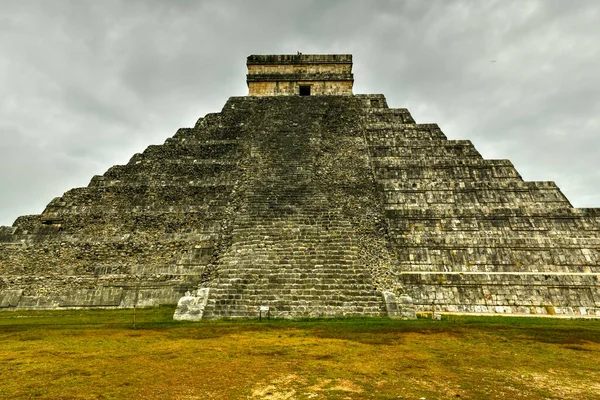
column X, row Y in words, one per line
column 86, row 84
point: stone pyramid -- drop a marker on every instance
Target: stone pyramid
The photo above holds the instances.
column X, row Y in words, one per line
column 307, row 200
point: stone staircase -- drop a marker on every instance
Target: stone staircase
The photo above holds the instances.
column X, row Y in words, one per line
column 293, row 248
column 302, row 264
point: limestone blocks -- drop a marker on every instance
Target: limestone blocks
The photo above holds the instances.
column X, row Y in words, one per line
column 191, row 307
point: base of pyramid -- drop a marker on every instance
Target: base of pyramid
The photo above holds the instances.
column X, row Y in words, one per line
column 101, row 297
column 202, row 306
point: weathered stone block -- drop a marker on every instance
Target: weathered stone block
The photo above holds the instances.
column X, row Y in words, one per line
column 10, row 298
column 398, row 307
column 191, row 308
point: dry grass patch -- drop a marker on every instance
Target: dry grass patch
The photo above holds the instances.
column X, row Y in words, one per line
column 98, row 355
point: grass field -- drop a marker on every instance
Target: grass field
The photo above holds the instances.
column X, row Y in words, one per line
column 100, row 355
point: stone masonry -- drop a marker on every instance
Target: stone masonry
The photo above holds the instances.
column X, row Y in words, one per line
column 285, row 75
column 320, row 204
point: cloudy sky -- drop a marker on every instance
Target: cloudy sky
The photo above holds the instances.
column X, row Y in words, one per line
column 86, row 84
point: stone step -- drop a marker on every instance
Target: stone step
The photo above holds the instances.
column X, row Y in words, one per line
column 401, row 128
column 283, row 302
column 423, row 149
column 480, row 266
column 468, row 241
column 413, row 144
column 145, row 196
column 399, row 185
column 441, row 173
column 299, row 311
column 174, row 179
column 499, row 227
column 470, row 198
column 312, row 280
column 197, row 148
column 505, row 211
column 183, row 166
column 376, row 134
column 401, row 163
column 407, row 207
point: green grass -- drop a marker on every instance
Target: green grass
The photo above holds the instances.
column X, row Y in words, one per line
column 98, row 354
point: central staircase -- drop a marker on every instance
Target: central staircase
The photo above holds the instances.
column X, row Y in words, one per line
column 294, row 247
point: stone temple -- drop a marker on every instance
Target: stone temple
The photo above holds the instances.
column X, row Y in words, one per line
column 312, row 201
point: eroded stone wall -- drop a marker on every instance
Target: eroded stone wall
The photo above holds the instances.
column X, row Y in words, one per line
column 304, row 68
column 143, row 233
column 471, row 236
column 283, row 75
column 313, row 206
column 292, row 88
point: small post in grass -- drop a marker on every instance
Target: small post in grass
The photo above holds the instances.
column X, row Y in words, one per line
column 260, row 311
column 434, row 316
column 135, row 300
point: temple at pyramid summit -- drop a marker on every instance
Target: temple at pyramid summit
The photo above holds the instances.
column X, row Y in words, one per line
column 303, row 199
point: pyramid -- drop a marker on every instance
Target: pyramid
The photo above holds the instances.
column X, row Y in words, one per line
column 303, row 199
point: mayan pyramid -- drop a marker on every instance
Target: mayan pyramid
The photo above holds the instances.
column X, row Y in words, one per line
column 308, row 200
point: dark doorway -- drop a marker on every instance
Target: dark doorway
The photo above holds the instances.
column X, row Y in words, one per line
column 304, row 90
